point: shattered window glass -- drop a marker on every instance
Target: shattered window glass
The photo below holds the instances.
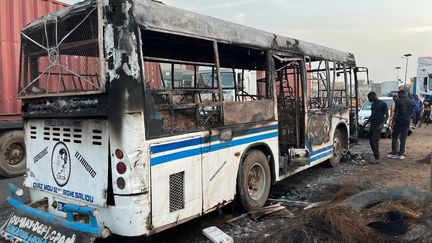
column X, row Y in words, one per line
column 60, row 55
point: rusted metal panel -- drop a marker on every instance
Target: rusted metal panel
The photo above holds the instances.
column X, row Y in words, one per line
column 153, row 75
column 14, row 15
column 245, row 112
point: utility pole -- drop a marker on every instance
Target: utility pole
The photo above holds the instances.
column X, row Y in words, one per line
column 406, row 56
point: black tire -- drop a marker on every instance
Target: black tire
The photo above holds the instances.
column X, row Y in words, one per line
column 253, row 192
column 398, row 193
column 12, row 154
column 339, row 144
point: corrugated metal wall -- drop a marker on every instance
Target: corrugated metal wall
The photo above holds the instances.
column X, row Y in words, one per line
column 14, row 15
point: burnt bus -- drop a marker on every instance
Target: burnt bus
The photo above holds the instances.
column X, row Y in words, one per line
column 139, row 116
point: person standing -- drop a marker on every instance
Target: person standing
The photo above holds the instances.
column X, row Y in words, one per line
column 416, row 110
column 426, row 111
column 377, row 119
column 392, row 119
column 402, row 114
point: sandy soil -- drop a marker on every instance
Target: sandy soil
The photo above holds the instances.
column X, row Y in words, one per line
column 414, row 170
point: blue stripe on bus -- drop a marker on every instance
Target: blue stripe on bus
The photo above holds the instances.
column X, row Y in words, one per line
column 210, row 148
column 321, row 156
column 176, row 145
column 197, row 141
column 321, row 150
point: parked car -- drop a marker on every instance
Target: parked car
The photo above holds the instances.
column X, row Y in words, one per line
column 365, row 113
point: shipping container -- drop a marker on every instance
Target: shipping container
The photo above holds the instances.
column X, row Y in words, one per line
column 14, row 15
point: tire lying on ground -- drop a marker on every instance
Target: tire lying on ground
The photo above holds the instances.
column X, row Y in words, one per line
column 398, row 193
column 421, row 231
column 12, row 154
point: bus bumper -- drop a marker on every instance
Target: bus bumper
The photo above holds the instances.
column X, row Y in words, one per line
column 28, row 223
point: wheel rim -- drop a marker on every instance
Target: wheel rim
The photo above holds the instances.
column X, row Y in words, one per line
column 14, row 153
column 337, row 147
column 256, row 181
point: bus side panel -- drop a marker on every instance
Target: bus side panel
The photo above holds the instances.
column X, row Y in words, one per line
column 176, row 186
column 324, row 151
column 221, row 162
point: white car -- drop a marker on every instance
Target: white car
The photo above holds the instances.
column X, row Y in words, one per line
column 365, row 113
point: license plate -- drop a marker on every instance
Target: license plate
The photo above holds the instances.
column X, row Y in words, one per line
column 25, row 228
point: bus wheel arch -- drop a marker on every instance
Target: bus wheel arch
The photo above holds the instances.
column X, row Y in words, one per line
column 254, row 177
column 340, row 142
column 265, row 148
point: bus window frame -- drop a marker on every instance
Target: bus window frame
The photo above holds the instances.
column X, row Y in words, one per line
column 220, row 103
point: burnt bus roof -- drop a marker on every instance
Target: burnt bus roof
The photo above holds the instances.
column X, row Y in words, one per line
column 73, row 9
column 154, row 15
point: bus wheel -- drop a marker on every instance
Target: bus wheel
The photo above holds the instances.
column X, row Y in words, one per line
column 12, row 154
column 338, row 146
column 253, row 181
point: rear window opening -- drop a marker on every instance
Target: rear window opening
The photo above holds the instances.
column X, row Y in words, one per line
column 61, row 56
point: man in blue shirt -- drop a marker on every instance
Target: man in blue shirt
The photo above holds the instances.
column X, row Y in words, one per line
column 401, row 121
column 416, row 110
column 377, row 120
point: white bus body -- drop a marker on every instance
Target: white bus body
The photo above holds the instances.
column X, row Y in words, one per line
column 423, row 82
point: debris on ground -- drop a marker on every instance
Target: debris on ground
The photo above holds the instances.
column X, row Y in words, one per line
column 352, row 158
column 272, row 211
column 344, row 191
column 347, row 218
column 216, row 235
column 327, row 223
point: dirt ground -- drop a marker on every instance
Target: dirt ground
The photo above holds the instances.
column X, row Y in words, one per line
column 414, row 170
column 314, row 185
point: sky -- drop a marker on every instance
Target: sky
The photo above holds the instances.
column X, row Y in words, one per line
column 378, row 32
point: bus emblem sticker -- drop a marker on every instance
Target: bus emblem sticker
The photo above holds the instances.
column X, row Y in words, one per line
column 61, row 164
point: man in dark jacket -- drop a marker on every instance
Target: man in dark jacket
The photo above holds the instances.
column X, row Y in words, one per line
column 376, row 120
column 401, row 121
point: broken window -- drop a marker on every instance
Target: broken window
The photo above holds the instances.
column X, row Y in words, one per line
column 289, row 91
column 181, row 89
column 252, row 93
column 327, row 84
column 182, row 82
column 338, row 84
column 319, row 83
column 244, row 73
column 61, row 55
